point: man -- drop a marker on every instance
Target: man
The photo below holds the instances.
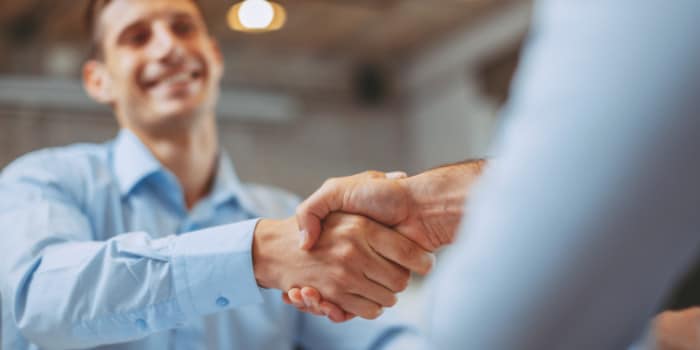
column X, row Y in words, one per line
column 590, row 213
column 151, row 241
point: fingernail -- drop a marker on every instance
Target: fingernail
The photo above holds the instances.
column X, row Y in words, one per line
column 304, row 237
column 433, row 261
column 395, row 175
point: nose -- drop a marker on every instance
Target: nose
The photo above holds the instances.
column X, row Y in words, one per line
column 165, row 46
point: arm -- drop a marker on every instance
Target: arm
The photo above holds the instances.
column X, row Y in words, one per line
column 68, row 290
column 589, row 214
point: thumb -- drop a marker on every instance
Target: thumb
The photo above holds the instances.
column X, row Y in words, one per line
column 327, row 199
column 314, row 209
column 309, row 227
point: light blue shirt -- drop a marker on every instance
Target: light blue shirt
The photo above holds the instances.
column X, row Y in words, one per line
column 97, row 247
column 591, row 208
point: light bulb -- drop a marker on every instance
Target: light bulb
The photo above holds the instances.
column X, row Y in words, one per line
column 256, row 14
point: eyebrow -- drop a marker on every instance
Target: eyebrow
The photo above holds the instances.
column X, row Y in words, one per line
column 140, row 21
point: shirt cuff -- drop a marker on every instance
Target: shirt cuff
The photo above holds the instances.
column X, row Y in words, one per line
column 213, row 269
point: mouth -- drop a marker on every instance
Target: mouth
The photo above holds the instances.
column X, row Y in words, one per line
column 174, row 78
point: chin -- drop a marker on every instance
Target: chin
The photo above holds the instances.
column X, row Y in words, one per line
column 169, row 120
column 180, row 108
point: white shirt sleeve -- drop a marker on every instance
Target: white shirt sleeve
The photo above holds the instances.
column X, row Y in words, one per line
column 590, row 211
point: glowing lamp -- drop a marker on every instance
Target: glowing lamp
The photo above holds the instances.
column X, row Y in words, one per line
column 256, row 16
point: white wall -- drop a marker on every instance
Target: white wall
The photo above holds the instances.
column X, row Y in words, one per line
column 448, row 118
column 326, row 140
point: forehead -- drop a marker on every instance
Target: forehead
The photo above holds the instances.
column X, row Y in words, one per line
column 119, row 14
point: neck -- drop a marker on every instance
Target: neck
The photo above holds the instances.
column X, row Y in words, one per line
column 191, row 155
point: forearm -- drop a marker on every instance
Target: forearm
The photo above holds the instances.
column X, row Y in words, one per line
column 85, row 294
column 442, row 191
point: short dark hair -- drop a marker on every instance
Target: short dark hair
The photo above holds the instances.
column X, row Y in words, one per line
column 92, row 15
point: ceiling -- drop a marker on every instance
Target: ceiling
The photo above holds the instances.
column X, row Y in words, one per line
column 321, row 41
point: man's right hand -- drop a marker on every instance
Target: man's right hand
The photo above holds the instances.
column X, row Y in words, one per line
column 357, row 264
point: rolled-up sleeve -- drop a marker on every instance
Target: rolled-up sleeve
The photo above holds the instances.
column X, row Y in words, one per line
column 67, row 290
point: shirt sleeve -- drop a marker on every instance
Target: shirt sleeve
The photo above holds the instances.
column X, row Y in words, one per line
column 67, row 290
column 387, row 332
column 590, row 212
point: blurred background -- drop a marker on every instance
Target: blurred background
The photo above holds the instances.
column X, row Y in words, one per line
column 343, row 87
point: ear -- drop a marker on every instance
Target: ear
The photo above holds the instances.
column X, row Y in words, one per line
column 97, row 82
column 217, row 50
column 218, row 56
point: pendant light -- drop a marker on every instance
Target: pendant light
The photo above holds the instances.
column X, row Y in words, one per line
column 256, row 16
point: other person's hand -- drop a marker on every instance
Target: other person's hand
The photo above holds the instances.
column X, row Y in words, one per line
column 426, row 208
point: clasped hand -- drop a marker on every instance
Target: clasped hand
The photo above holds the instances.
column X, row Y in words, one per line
column 409, row 218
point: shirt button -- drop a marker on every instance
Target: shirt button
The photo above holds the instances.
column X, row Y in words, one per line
column 222, row 302
column 141, row 324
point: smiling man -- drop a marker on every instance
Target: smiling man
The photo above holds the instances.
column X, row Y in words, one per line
column 150, row 241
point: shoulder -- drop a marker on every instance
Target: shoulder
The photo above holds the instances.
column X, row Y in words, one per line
column 272, row 202
column 70, row 168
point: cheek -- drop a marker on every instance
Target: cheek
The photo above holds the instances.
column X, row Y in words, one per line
column 128, row 70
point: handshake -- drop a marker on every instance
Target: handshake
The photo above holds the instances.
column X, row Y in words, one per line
column 354, row 242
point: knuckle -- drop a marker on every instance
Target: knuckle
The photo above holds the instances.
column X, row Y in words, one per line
column 346, row 253
column 341, row 277
column 373, row 174
column 408, row 251
column 333, row 293
column 331, row 183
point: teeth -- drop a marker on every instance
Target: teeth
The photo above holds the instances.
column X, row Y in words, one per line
column 177, row 78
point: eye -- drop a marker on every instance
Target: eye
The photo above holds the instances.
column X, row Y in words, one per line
column 138, row 37
column 183, row 27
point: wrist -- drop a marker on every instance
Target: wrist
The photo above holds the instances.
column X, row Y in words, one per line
column 269, row 235
column 442, row 192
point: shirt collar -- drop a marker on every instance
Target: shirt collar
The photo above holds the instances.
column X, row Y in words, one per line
column 227, row 187
column 133, row 161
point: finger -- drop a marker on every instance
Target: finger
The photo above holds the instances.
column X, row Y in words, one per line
column 311, row 295
column 334, row 312
column 310, row 213
column 401, row 250
column 325, row 200
column 296, row 298
column 286, row 299
column 360, row 306
column 312, row 299
column 388, row 274
column 377, row 293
